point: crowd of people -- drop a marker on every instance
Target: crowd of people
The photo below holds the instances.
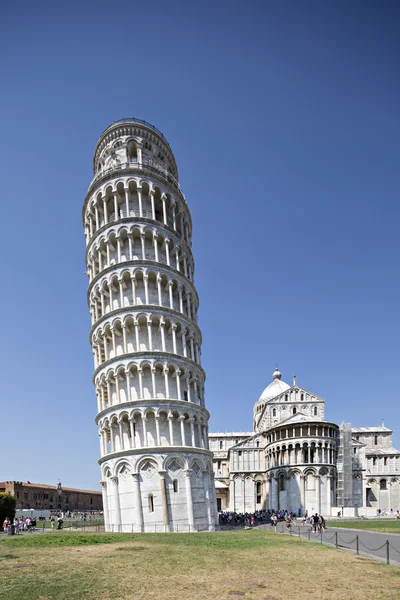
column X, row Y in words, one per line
column 20, row 524
column 316, row 522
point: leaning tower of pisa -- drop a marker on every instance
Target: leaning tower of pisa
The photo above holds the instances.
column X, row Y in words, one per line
column 156, row 467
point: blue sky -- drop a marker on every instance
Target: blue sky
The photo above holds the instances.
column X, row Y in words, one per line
column 284, row 120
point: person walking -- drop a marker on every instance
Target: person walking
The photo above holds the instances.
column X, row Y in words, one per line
column 315, row 521
column 274, row 521
column 6, row 524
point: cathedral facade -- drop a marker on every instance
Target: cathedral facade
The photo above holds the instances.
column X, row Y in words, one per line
column 296, row 460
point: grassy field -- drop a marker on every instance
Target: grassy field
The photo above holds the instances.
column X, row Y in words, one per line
column 381, row 525
column 69, row 522
column 257, row 565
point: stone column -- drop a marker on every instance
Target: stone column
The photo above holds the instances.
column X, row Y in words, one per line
column 328, row 494
column 191, row 422
column 302, row 493
column 139, row 193
column 153, row 210
column 126, row 201
column 182, row 422
column 116, row 506
column 164, row 501
column 171, row 430
column 317, row 494
column 137, row 501
column 232, row 504
column 105, row 505
column 189, row 499
column 206, row 484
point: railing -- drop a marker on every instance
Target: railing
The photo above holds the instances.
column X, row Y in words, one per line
column 384, row 552
column 134, row 528
column 139, row 121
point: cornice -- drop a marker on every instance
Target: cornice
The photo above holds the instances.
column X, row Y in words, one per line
column 155, row 450
column 169, row 403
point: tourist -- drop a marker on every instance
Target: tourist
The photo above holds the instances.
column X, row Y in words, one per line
column 315, row 521
column 288, row 522
column 321, row 523
column 6, row 524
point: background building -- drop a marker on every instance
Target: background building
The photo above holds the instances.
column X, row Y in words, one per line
column 39, row 496
column 296, row 460
column 152, row 422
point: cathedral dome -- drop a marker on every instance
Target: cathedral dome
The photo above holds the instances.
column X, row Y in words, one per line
column 273, row 389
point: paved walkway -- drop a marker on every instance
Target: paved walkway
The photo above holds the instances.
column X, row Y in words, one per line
column 379, row 546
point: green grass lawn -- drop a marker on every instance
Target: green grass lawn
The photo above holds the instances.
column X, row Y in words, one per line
column 256, row 564
column 381, row 525
column 69, row 522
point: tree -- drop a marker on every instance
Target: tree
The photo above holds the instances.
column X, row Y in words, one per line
column 7, row 507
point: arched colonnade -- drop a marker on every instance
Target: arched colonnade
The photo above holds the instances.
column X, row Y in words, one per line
column 145, row 332
column 149, row 379
column 136, row 197
column 140, row 286
column 138, row 243
column 150, row 428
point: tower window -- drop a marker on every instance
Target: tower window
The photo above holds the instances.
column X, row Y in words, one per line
column 151, row 503
column 219, row 465
column 274, row 412
column 294, row 410
column 185, row 395
column 175, row 485
column 383, row 484
column 258, row 491
column 133, row 154
column 376, row 440
column 374, row 461
column 315, row 411
column 220, row 445
column 286, row 397
column 385, row 461
column 302, row 397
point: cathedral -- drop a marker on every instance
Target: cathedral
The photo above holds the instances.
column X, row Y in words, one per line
column 296, row 460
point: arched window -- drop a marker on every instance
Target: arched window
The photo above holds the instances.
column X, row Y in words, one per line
column 376, row 440
column 175, row 485
column 302, row 397
column 286, row 397
column 220, row 444
column 151, row 503
column 259, row 492
column 274, row 412
column 132, row 153
column 383, row 484
column 294, row 410
column 315, row 411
